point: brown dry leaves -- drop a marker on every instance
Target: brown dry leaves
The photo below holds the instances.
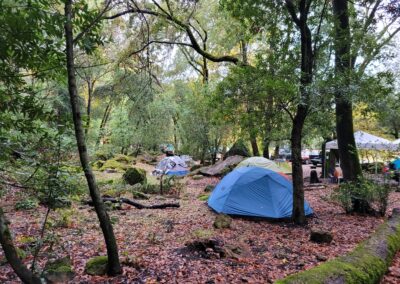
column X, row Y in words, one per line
column 150, row 249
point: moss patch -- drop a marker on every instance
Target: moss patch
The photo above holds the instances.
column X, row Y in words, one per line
column 97, row 265
column 115, row 165
column 203, row 196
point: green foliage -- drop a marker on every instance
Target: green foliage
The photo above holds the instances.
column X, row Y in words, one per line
column 365, row 192
column 26, row 204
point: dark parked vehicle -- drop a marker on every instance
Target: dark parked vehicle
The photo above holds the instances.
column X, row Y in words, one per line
column 316, row 159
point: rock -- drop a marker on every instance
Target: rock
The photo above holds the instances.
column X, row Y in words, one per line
column 314, row 177
column 321, row 257
column 239, row 148
column 222, row 167
column 198, row 177
column 169, row 224
column 135, row 175
column 209, row 188
column 319, row 235
column 59, row 271
column 222, row 221
column 97, row 265
column 195, row 167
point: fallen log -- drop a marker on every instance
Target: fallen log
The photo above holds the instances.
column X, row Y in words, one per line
column 136, row 204
column 367, row 263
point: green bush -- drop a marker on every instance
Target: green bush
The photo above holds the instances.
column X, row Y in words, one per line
column 26, row 204
column 135, row 175
column 362, row 196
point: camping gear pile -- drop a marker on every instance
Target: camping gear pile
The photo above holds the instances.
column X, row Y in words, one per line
column 256, row 188
column 173, row 166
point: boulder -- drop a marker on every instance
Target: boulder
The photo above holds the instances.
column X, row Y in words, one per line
column 134, row 175
column 222, row 221
column 222, row 167
column 238, row 149
column 319, row 235
column 97, row 265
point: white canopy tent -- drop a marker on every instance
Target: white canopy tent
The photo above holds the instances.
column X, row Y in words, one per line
column 368, row 141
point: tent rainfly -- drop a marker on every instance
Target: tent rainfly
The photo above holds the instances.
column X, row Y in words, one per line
column 366, row 141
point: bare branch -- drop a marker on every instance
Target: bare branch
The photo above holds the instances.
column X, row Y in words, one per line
column 159, row 41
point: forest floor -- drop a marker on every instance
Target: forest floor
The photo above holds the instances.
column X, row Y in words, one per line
column 152, row 243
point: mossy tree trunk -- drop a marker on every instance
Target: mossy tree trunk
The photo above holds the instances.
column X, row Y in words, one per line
column 367, row 263
column 11, row 254
column 114, row 266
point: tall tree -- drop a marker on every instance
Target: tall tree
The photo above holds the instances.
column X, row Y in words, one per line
column 349, row 161
column 114, row 266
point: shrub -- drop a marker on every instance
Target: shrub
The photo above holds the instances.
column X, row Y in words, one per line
column 134, row 175
column 26, row 204
column 362, row 196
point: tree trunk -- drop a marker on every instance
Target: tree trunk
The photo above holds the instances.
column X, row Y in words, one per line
column 298, row 214
column 11, row 254
column 114, row 266
column 266, row 149
column 307, row 61
column 254, row 146
column 349, row 161
column 89, row 105
column 276, row 151
column 103, row 123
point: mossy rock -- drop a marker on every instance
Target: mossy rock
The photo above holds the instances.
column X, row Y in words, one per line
column 114, row 165
column 103, row 155
column 97, row 265
column 98, row 164
column 203, row 197
column 202, row 233
column 198, row 177
column 222, row 221
column 59, row 270
column 123, row 158
column 135, row 175
column 209, row 188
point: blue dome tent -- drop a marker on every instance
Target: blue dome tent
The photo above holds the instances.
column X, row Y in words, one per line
column 255, row 192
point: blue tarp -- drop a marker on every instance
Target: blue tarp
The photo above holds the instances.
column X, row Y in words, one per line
column 396, row 164
column 255, row 192
column 176, row 173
